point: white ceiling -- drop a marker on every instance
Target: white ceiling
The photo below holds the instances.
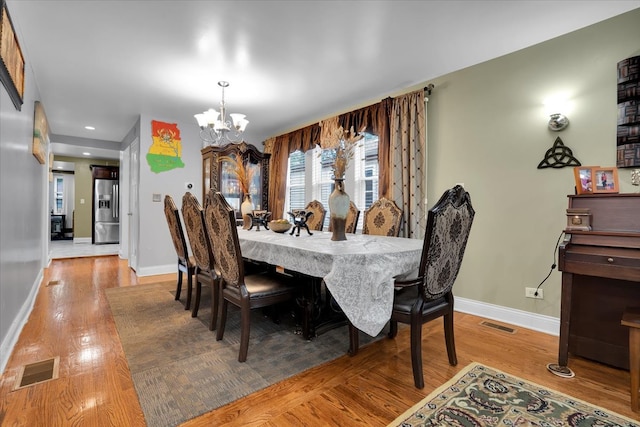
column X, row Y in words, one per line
column 289, row 63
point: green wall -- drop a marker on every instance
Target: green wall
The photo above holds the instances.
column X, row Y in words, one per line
column 487, row 128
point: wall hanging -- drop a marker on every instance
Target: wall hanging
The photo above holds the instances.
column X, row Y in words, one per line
column 166, row 149
column 558, row 156
column 40, row 144
column 11, row 59
column 628, row 140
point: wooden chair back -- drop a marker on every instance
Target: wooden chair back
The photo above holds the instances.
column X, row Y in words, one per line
column 175, row 228
column 316, row 221
column 448, row 227
column 383, row 218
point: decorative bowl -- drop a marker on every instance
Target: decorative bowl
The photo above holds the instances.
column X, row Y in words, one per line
column 279, row 227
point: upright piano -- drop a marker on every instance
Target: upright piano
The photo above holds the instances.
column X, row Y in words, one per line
column 600, row 278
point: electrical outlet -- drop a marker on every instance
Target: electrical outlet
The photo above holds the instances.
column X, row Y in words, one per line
column 531, row 293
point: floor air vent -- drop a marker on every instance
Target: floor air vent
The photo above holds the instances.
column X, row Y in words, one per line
column 38, row 372
column 498, row 327
column 53, row 282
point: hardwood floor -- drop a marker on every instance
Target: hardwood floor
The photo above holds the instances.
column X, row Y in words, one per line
column 72, row 319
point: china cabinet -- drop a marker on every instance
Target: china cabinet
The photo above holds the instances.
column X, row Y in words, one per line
column 217, row 174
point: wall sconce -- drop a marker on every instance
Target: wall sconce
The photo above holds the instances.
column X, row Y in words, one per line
column 558, row 122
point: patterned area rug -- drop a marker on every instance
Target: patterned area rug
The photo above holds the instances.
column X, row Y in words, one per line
column 179, row 369
column 483, row 396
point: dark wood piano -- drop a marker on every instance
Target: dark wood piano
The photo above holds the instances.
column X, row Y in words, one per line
column 600, row 277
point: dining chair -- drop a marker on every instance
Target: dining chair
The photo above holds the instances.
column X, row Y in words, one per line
column 352, row 219
column 427, row 295
column 316, row 221
column 382, row 218
column 186, row 264
column 247, row 292
column 200, row 242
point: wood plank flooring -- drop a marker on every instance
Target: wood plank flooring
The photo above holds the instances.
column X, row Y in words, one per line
column 72, row 319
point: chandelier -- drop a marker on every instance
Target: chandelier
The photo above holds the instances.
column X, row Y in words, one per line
column 216, row 129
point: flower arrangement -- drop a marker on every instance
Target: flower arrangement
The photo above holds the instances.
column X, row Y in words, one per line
column 343, row 143
column 243, row 171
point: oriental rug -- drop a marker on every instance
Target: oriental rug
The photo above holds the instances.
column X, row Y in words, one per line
column 179, row 369
column 482, row 396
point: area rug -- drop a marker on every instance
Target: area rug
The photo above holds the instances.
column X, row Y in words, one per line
column 483, row 396
column 179, row 369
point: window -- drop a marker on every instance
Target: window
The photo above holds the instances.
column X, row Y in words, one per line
column 310, row 177
column 295, row 198
column 58, row 195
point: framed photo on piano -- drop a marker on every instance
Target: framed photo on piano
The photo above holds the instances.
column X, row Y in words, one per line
column 605, row 180
column 584, row 181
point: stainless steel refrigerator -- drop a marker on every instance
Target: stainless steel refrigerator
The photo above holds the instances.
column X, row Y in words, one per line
column 106, row 223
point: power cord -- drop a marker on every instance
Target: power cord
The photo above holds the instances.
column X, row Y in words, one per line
column 553, row 265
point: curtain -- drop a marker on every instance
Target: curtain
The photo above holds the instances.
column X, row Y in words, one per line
column 280, row 147
column 401, row 154
column 374, row 119
column 408, row 153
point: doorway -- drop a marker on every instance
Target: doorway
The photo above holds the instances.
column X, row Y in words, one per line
column 61, row 205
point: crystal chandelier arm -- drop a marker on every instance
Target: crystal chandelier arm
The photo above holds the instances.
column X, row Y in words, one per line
column 214, row 126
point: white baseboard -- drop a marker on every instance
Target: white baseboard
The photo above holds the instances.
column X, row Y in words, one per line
column 82, row 240
column 525, row 319
column 18, row 323
column 157, row 269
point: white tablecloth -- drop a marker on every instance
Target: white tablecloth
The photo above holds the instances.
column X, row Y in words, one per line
column 359, row 272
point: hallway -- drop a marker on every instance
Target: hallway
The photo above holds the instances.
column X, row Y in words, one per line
column 59, row 249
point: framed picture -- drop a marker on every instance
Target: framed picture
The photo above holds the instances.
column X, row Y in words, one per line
column 40, row 133
column 51, row 166
column 584, row 181
column 11, row 58
column 605, row 180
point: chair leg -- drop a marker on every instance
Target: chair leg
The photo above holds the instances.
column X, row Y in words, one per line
column 393, row 329
column 245, row 328
column 196, row 304
column 449, row 338
column 214, row 304
column 179, row 284
column 187, row 304
column 223, row 316
column 354, row 340
column 416, row 352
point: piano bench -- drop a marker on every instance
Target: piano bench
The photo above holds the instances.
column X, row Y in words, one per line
column 631, row 318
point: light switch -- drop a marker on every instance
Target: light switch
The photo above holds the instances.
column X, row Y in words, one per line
column 82, row 201
column 157, row 197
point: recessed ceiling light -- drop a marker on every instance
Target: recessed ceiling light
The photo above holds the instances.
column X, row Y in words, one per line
column 86, row 154
column 89, row 128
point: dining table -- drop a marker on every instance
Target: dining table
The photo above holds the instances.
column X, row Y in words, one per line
column 359, row 272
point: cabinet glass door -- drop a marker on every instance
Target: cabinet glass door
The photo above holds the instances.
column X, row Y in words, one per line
column 230, row 185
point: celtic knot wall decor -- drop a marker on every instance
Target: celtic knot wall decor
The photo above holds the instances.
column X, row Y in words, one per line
column 558, row 156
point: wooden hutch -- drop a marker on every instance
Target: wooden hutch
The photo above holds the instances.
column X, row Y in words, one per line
column 216, row 176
